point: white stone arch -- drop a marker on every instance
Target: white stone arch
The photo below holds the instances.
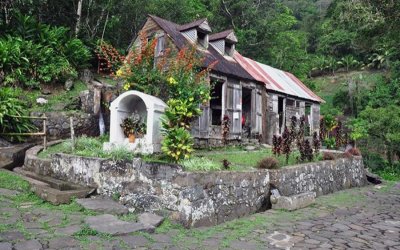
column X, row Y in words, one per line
column 147, row 106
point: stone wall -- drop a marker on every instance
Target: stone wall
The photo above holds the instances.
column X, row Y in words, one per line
column 202, row 198
column 58, row 124
column 322, row 177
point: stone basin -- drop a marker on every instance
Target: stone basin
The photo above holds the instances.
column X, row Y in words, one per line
column 53, row 190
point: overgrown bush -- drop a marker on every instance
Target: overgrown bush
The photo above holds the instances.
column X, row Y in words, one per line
column 347, row 155
column 277, row 145
column 327, row 156
column 177, row 143
column 316, row 143
column 11, row 106
column 36, row 53
column 225, row 127
column 286, row 144
column 268, row 163
column 306, row 151
column 354, row 151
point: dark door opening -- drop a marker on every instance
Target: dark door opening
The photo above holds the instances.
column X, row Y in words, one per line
column 246, row 111
column 216, row 103
column 280, row 113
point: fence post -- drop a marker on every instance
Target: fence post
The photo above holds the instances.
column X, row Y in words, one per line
column 71, row 125
column 45, row 132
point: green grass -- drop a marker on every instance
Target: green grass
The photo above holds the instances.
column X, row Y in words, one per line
column 88, row 147
column 245, row 160
column 202, row 160
column 93, row 147
column 13, row 182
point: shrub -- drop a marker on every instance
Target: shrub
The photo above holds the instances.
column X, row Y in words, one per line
column 225, row 125
column 328, row 156
column 374, row 161
column 268, row 163
column 347, row 155
column 354, row 151
column 36, row 53
column 177, row 143
column 226, row 164
column 329, row 142
column 306, row 151
column 277, row 145
column 11, row 106
column 286, row 144
column 316, row 143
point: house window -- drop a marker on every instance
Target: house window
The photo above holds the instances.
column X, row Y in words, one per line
column 290, row 102
column 202, row 38
column 216, row 103
column 308, row 119
column 281, row 113
column 229, row 49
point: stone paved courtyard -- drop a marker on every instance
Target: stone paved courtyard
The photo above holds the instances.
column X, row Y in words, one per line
column 362, row 218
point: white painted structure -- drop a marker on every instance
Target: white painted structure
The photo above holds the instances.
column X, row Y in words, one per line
column 149, row 107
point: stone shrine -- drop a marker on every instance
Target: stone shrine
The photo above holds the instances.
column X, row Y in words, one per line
column 149, row 108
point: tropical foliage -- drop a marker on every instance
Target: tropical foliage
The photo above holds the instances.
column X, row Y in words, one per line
column 32, row 53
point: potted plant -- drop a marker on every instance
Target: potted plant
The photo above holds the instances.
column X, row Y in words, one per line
column 132, row 126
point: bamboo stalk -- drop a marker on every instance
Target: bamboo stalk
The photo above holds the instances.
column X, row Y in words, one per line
column 38, row 133
column 27, row 117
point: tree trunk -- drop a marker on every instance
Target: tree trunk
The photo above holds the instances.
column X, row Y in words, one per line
column 78, row 19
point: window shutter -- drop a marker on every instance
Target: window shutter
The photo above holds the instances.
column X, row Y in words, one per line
column 259, row 111
column 160, row 46
column 234, row 107
column 204, row 122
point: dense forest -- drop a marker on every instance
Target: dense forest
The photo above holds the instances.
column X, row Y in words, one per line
column 43, row 41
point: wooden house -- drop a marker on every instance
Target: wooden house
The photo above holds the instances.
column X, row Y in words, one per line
column 258, row 99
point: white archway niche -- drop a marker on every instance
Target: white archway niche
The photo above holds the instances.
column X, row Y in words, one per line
column 147, row 106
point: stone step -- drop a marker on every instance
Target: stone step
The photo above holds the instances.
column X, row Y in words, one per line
column 103, row 205
column 110, row 224
column 150, row 219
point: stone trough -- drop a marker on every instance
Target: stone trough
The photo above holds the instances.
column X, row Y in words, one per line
column 53, row 190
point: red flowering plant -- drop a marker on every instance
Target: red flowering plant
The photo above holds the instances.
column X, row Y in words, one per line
column 108, row 58
column 142, row 72
column 178, row 78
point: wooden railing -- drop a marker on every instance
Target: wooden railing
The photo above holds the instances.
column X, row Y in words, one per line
column 43, row 133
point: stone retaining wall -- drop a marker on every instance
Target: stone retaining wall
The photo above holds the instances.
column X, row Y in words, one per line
column 58, row 124
column 202, row 198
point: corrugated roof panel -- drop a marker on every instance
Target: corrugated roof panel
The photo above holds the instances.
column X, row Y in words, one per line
column 276, row 80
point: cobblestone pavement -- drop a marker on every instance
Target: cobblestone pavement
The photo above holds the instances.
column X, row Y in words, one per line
column 362, row 218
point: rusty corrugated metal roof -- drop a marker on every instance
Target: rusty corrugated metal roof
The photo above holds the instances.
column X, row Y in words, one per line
column 243, row 67
column 276, row 80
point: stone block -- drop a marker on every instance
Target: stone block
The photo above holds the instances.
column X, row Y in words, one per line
column 103, row 205
column 150, row 219
column 110, row 224
column 293, row 202
column 28, row 245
